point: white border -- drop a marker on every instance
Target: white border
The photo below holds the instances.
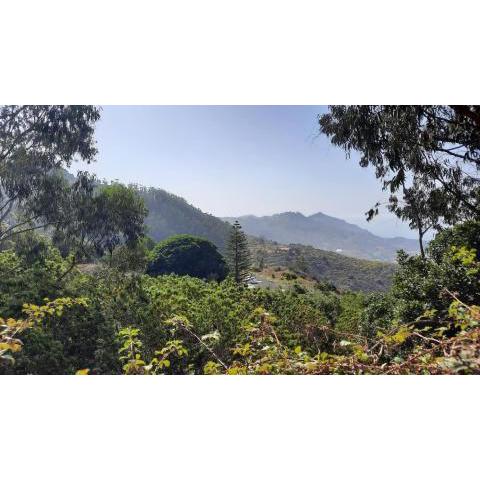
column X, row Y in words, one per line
column 240, row 427
column 249, row 52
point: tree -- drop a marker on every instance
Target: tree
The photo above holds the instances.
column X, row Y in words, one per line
column 238, row 255
column 429, row 154
column 36, row 141
column 188, row 255
column 132, row 259
column 415, row 208
column 101, row 220
column 451, row 264
column 466, row 234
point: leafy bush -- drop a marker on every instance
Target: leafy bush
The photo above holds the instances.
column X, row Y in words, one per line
column 289, row 276
column 129, row 322
column 451, row 264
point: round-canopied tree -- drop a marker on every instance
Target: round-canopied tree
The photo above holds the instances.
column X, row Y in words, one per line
column 188, row 255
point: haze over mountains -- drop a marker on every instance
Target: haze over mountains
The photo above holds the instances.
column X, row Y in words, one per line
column 169, row 214
column 325, row 232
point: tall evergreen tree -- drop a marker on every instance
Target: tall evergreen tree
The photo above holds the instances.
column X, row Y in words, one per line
column 238, row 254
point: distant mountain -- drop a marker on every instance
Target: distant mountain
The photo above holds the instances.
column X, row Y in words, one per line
column 325, row 232
column 170, row 215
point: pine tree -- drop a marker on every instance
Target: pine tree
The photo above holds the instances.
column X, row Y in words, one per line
column 238, row 254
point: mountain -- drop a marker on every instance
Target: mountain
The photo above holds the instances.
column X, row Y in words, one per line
column 325, row 232
column 170, row 215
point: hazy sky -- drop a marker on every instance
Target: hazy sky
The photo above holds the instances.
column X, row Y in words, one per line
column 236, row 160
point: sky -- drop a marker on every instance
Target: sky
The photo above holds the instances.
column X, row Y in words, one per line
column 238, row 160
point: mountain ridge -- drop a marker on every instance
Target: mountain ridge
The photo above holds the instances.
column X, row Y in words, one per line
column 325, row 232
column 170, row 214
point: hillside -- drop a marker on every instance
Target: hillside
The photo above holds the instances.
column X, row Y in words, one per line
column 170, row 215
column 345, row 273
column 327, row 233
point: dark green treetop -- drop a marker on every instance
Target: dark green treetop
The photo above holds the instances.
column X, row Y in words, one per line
column 187, row 255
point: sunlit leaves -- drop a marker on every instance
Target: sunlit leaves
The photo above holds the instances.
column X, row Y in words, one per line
column 11, row 328
column 212, row 368
column 130, row 354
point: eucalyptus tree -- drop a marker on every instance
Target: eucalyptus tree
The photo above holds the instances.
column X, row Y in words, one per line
column 426, row 156
column 36, row 141
column 81, row 215
column 100, row 219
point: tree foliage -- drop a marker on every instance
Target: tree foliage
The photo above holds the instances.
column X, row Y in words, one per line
column 102, row 219
column 188, row 255
column 426, row 156
column 35, row 142
column 238, row 254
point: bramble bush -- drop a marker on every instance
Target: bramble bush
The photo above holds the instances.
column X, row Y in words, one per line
column 114, row 320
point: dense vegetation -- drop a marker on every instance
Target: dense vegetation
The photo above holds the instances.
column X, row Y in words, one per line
column 112, row 317
column 107, row 321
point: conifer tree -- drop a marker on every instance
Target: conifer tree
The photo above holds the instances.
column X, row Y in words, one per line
column 238, row 254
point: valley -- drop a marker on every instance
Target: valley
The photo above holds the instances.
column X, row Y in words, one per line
column 170, row 215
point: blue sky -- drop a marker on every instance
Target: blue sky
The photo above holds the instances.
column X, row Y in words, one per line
column 236, row 160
